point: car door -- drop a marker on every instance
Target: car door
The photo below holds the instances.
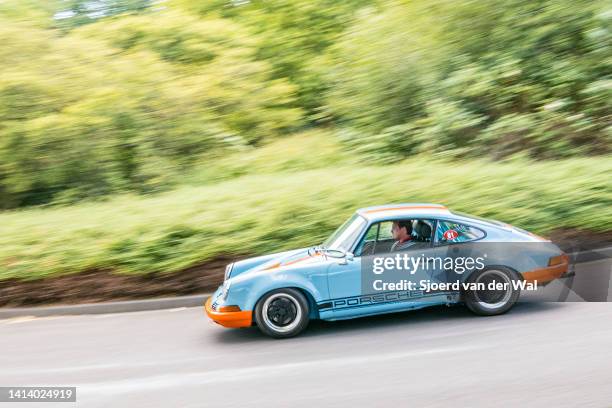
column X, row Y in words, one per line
column 350, row 281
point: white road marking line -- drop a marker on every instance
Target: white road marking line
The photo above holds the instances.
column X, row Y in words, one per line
column 224, row 375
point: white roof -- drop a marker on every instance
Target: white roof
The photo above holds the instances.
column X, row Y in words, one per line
column 403, row 210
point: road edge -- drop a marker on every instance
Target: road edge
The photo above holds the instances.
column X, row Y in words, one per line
column 106, row 307
column 179, row 301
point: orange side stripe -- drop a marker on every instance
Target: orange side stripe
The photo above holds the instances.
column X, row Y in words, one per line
column 297, row 260
column 409, row 207
column 273, row 266
column 278, row 264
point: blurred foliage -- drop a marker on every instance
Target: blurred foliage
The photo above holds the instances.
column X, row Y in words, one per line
column 74, row 13
column 312, row 149
column 100, row 97
column 295, row 36
column 34, row 13
column 269, row 209
column 478, row 77
column 125, row 104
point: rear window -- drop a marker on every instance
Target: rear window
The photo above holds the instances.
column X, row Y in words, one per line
column 452, row 232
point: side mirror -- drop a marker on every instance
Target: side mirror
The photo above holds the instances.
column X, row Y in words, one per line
column 334, row 253
column 340, row 254
column 348, row 257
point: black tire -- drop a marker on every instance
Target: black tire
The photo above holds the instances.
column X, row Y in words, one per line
column 492, row 302
column 282, row 313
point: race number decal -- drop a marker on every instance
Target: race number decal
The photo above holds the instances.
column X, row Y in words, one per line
column 450, row 235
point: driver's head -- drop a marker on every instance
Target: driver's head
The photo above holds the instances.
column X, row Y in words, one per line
column 401, row 230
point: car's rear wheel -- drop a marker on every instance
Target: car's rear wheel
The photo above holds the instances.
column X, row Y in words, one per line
column 282, row 313
column 494, row 299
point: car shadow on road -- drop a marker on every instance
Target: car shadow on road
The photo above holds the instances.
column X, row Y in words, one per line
column 414, row 319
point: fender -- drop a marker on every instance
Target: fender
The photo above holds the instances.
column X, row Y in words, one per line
column 250, row 263
column 250, row 287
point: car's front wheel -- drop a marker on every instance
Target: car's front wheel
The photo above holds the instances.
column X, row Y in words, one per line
column 282, row 313
column 492, row 291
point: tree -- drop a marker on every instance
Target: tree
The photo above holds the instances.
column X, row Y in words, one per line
column 479, row 62
column 128, row 103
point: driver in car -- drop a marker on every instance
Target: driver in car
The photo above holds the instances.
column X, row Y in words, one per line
column 402, row 234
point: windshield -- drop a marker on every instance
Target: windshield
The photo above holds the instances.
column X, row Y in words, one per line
column 344, row 237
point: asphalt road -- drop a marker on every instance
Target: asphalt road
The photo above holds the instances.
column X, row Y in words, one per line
column 539, row 354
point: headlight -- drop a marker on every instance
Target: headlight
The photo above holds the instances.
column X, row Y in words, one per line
column 225, row 290
column 228, row 271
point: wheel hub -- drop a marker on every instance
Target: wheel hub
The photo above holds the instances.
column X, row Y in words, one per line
column 493, row 298
column 282, row 312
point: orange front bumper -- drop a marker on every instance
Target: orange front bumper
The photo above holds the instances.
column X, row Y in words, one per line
column 243, row 318
column 547, row 274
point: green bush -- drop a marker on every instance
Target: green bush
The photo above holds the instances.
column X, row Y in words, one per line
column 128, row 104
column 478, row 71
column 140, row 97
column 266, row 211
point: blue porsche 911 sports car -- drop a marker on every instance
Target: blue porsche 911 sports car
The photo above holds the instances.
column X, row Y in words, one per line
column 387, row 259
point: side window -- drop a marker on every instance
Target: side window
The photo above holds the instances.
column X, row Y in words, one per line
column 372, row 233
column 379, row 237
column 377, row 240
column 451, row 232
column 385, row 233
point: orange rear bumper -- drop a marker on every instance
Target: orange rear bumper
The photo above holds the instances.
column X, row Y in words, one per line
column 547, row 274
column 242, row 318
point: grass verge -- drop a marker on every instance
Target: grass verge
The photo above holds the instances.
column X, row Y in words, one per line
column 264, row 212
